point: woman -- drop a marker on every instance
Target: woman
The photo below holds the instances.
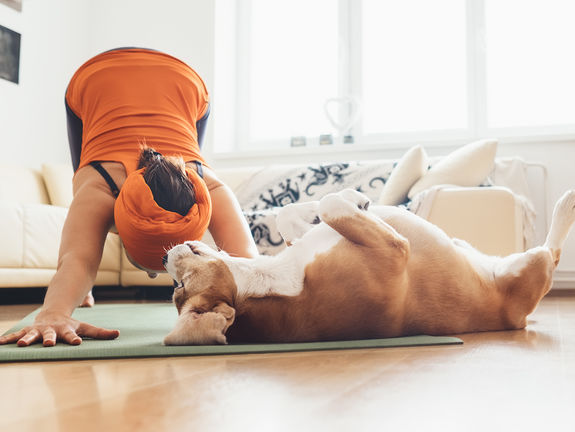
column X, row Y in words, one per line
column 136, row 120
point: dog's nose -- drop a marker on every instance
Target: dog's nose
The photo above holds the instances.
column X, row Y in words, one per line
column 165, row 260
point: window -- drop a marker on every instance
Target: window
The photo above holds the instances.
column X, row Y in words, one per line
column 530, row 62
column 417, row 69
column 292, row 67
column 413, row 73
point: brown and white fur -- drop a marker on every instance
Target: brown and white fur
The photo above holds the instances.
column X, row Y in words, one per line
column 358, row 274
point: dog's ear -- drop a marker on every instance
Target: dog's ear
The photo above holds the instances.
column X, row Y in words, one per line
column 228, row 312
column 194, row 328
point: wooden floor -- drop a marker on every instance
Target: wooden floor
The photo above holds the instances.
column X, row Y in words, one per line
column 512, row 381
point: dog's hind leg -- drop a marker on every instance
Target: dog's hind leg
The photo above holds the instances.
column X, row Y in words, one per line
column 526, row 277
column 561, row 223
column 345, row 212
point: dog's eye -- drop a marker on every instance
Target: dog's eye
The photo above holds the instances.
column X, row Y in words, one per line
column 316, row 220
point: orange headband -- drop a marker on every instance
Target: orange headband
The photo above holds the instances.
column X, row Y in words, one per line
column 147, row 230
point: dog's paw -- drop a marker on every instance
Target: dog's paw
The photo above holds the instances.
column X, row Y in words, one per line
column 566, row 205
column 305, row 212
column 294, row 220
column 562, row 220
column 360, row 200
column 342, row 204
column 198, row 329
column 564, row 213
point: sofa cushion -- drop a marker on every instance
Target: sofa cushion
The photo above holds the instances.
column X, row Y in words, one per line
column 467, row 166
column 12, row 234
column 20, row 277
column 22, row 185
column 42, row 233
column 111, row 254
column 30, row 235
column 58, row 179
column 234, row 177
column 410, row 168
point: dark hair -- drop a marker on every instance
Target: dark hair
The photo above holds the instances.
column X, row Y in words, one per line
column 167, row 179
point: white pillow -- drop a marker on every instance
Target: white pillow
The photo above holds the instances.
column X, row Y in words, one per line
column 58, row 180
column 412, row 165
column 467, row 166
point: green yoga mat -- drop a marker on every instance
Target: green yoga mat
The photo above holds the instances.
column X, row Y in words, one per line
column 142, row 330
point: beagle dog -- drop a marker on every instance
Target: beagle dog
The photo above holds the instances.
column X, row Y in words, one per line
column 354, row 273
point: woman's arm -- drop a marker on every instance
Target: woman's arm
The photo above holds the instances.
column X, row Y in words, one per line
column 228, row 226
column 89, row 218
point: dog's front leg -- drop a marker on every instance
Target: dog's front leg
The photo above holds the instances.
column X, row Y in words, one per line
column 294, row 220
column 345, row 212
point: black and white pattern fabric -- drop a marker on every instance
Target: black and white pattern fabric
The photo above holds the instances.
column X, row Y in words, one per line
column 271, row 188
column 277, row 186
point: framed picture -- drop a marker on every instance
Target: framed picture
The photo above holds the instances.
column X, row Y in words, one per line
column 9, row 55
column 14, row 4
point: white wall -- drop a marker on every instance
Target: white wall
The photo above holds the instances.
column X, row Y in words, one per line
column 10, row 94
column 182, row 28
column 32, row 127
column 59, row 35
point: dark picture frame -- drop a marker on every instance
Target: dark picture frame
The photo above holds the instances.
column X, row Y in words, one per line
column 9, row 54
column 14, row 4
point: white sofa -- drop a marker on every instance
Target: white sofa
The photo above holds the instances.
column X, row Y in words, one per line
column 33, row 207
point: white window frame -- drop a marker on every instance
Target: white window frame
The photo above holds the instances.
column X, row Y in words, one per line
column 350, row 85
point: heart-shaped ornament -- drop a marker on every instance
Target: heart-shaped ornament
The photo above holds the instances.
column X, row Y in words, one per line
column 342, row 112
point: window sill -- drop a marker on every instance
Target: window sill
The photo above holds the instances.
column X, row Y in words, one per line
column 373, row 148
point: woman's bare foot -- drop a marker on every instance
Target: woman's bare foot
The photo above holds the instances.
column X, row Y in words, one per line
column 88, row 300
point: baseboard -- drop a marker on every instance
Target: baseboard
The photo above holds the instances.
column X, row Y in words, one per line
column 564, row 279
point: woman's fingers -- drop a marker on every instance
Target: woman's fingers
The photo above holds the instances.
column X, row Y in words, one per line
column 69, row 331
column 29, row 338
column 13, row 337
column 71, row 337
column 49, row 336
column 88, row 330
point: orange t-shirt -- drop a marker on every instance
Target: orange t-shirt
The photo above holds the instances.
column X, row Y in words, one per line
column 134, row 96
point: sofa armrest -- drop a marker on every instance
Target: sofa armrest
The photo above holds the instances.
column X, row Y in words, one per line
column 31, row 236
column 489, row 218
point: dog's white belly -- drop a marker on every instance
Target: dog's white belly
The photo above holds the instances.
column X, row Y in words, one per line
column 284, row 273
column 316, row 241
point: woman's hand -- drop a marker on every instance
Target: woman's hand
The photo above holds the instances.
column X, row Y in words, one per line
column 50, row 327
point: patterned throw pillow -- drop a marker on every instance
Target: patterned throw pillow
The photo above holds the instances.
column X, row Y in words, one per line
column 264, row 230
column 277, row 186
